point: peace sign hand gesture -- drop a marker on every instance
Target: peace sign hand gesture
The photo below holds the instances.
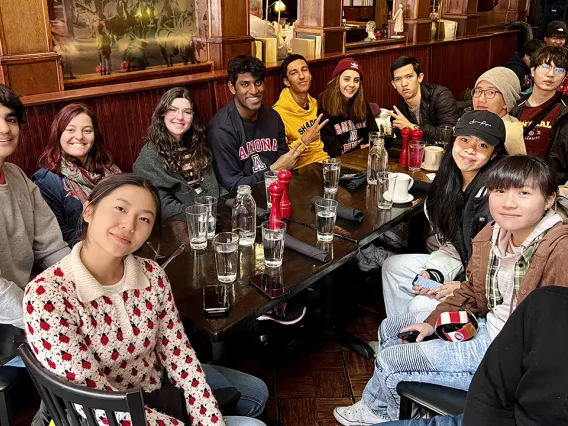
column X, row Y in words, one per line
column 400, row 121
column 313, row 132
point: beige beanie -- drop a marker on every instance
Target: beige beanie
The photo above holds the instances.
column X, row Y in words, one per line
column 506, row 81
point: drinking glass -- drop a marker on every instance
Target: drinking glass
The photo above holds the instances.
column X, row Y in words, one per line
column 445, row 134
column 273, row 234
column 415, row 156
column 385, row 181
column 226, row 256
column 373, row 136
column 331, row 171
column 197, row 224
column 386, row 133
column 326, row 210
column 269, row 177
column 211, row 202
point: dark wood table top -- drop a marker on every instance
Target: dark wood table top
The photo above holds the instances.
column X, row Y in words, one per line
column 192, row 270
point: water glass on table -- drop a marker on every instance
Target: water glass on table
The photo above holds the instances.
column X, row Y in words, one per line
column 226, row 256
column 273, row 234
column 331, row 172
column 197, row 225
column 385, row 182
column 326, row 212
column 415, row 155
column 269, row 177
column 210, row 202
column 445, row 135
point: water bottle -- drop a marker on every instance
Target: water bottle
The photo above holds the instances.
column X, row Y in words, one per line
column 244, row 216
column 378, row 160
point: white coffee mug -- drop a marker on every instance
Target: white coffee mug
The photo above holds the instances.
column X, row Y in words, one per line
column 403, row 183
column 433, row 157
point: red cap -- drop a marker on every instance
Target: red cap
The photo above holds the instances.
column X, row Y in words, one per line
column 347, row 64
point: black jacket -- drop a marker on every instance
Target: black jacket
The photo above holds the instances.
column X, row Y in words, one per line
column 522, row 70
column 558, row 146
column 237, row 161
column 437, row 107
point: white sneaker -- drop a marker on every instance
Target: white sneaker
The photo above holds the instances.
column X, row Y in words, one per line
column 356, row 415
column 375, row 346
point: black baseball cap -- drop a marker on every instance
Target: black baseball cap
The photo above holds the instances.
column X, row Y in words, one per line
column 483, row 124
column 556, row 28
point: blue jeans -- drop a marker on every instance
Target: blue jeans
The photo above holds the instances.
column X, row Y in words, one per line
column 435, row 361
column 15, row 362
column 254, row 393
column 436, row 421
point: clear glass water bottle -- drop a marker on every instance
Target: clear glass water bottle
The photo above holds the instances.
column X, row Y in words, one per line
column 244, row 216
column 378, row 160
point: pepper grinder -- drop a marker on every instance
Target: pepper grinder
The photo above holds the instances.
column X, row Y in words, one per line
column 416, row 135
column 276, row 190
column 285, row 177
column 403, row 159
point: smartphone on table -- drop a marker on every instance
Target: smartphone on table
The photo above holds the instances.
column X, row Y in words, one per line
column 268, row 285
column 216, row 299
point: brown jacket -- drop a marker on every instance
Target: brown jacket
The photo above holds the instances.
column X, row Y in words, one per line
column 546, row 268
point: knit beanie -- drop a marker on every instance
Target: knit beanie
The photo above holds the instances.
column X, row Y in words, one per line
column 506, row 81
column 348, row 64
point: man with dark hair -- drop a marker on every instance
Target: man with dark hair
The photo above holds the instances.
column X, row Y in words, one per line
column 555, row 34
column 521, row 61
column 29, row 232
column 246, row 137
column 424, row 106
column 298, row 110
column 543, row 113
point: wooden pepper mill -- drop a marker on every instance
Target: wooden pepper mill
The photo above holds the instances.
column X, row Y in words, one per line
column 403, row 159
column 285, row 177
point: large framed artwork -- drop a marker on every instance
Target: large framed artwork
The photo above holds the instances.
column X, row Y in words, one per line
column 104, row 37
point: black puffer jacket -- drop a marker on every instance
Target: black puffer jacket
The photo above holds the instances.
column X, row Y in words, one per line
column 437, row 107
column 558, row 146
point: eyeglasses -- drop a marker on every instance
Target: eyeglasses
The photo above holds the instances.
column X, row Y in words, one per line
column 544, row 69
column 173, row 112
column 489, row 93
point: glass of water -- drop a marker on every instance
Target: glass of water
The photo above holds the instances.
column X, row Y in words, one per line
column 331, row 171
column 226, row 256
column 269, row 177
column 197, row 224
column 273, row 234
column 211, row 202
column 385, row 182
column 325, row 218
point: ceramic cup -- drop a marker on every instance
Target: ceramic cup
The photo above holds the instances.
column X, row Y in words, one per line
column 403, row 184
column 433, row 157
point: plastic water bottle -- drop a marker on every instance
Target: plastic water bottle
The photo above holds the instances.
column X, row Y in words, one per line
column 244, row 216
column 378, row 160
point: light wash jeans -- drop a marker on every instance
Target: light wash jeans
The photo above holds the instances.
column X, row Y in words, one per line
column 435, row 421
column 398, row 272
column 15, row 362
column 254, row 393
column 435, row 361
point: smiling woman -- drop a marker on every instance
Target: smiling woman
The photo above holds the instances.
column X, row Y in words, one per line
column 74, row 160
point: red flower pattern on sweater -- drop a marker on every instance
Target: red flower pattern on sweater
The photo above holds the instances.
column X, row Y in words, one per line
column 84, row 343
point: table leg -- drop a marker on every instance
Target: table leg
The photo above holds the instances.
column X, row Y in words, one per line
column 218, row 350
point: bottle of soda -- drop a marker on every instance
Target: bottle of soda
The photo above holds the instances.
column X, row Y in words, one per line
column 378, row 160
column 244, row 216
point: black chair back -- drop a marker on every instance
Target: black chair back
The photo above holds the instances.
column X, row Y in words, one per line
column 60, row 397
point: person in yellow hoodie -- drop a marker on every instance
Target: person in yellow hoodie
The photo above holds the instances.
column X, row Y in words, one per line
column 298, row 110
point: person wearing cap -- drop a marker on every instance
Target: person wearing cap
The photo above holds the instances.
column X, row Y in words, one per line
column 424, row 106
column 543, row 113
column 555, row 34
column 522, row 250
column 298, row 110
column 520, row 63
column 342, row 103
column 498, row 91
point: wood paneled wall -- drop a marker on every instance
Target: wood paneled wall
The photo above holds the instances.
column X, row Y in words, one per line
column 124, row 117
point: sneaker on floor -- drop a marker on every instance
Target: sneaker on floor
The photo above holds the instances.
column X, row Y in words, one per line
column 287, row 313
column 356, row 415
column 375, row 346
column 365, row 259
column 380, row 254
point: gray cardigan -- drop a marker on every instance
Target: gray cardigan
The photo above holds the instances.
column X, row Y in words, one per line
column 175, row 193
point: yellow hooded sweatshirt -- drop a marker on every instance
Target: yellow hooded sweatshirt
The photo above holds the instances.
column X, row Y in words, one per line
column 297, row 120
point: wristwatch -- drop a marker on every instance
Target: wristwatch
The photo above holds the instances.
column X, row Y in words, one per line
column 416, row 127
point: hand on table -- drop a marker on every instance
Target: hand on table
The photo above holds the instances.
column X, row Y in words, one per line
column 423, row 328
column 400, row 121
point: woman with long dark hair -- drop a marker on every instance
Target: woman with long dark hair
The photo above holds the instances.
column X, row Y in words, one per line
column 343, row 103
column 176, row 158
column 106, row 319
column 457, row 209
column 74, row 160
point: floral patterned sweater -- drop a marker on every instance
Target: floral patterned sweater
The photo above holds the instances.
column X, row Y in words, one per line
column 116, row 340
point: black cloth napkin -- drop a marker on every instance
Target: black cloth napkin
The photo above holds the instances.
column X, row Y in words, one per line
column 306, row 249
column 260, row 213
column 344, row 212
column 421, row 185
column 353, row 181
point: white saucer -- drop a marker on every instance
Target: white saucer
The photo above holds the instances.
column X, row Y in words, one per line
column 429, row 170
column 408, row 200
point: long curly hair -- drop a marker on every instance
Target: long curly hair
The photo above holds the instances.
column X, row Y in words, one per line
column 194, row 138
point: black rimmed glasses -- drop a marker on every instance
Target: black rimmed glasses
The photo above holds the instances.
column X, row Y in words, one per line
column 489, row 93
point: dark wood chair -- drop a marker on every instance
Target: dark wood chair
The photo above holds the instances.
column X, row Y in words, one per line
column 440, row 400
column 9, row 376
column 60, row 397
